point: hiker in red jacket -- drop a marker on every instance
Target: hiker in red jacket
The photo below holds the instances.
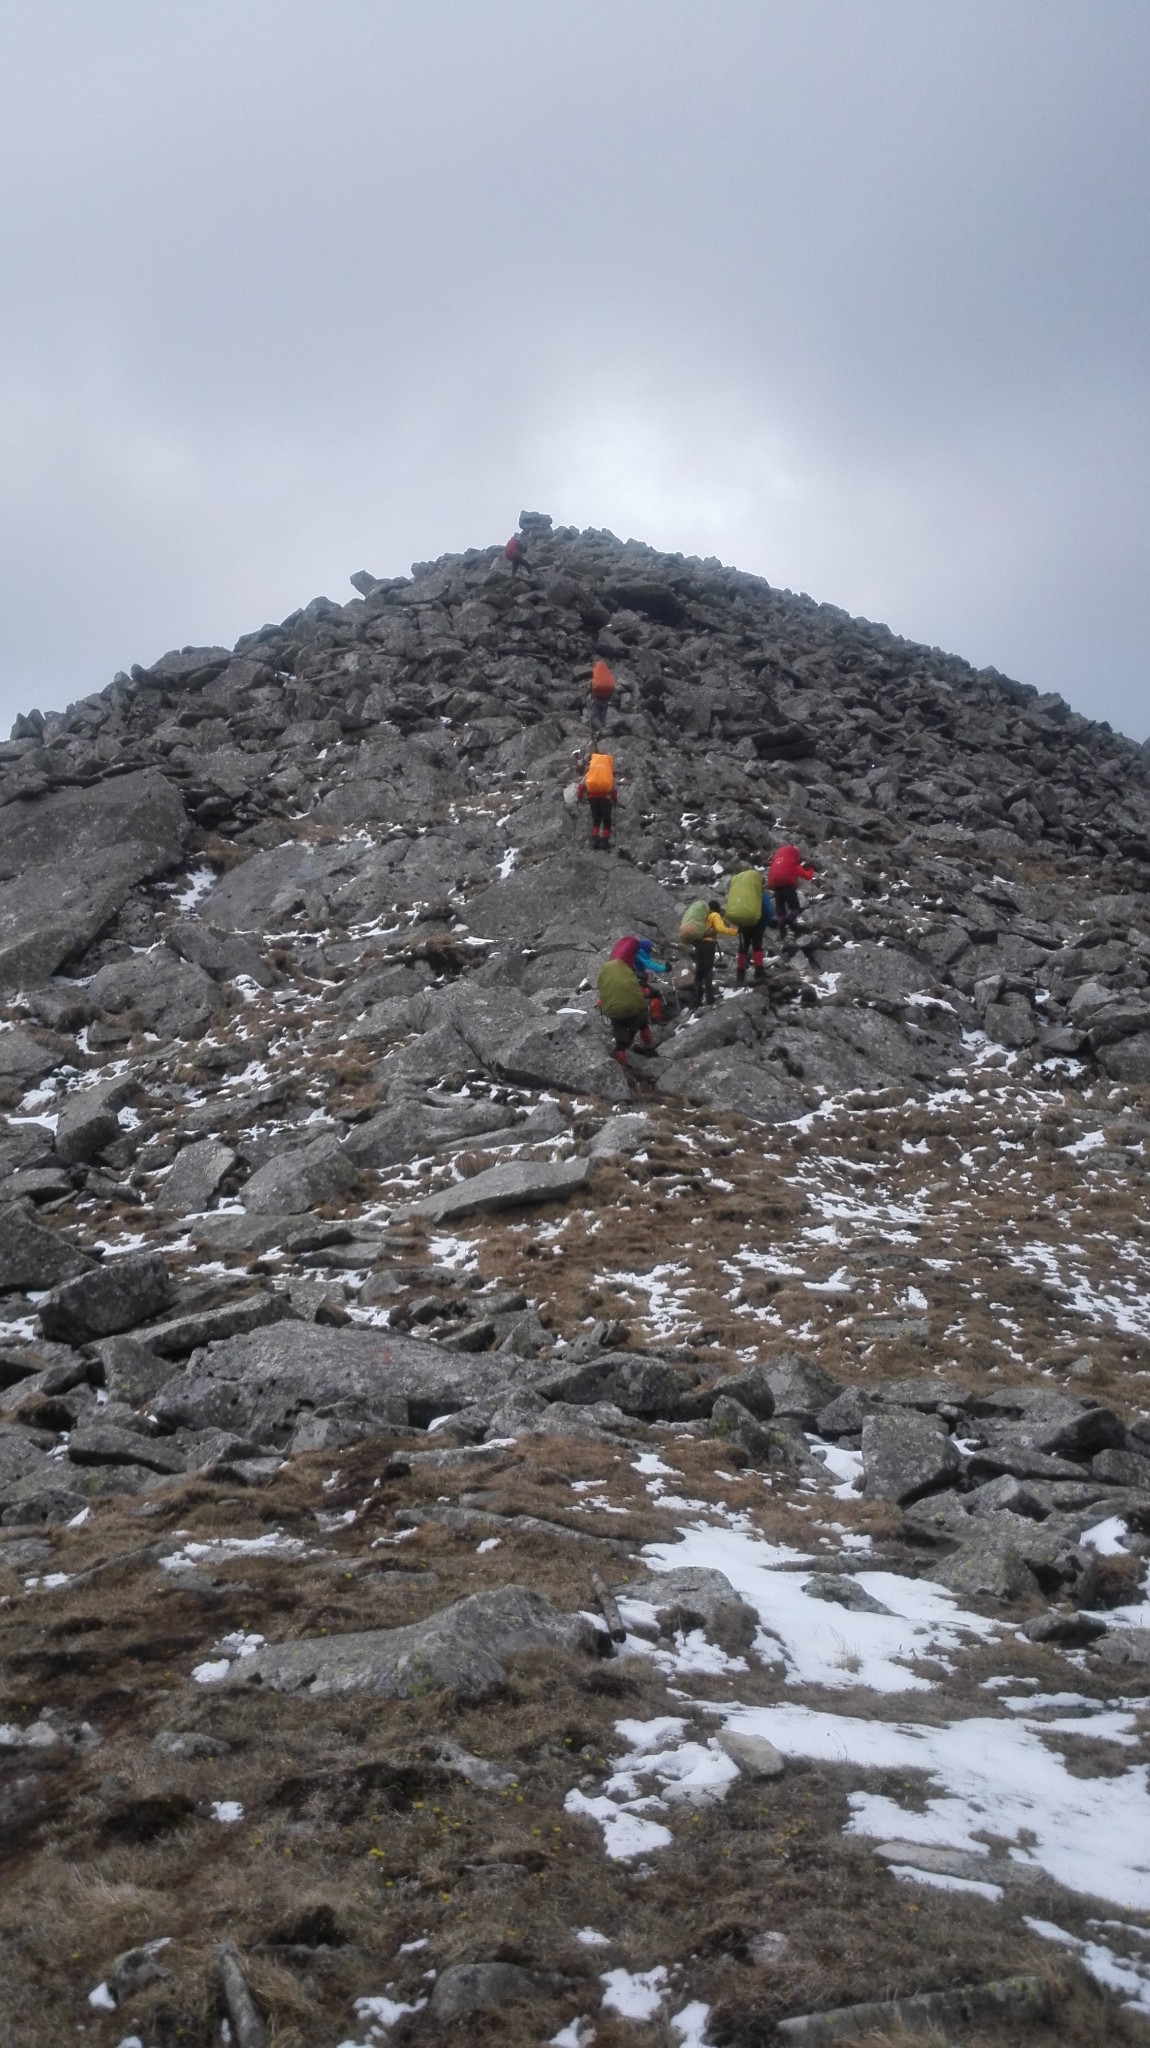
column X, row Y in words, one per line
column 787, row 869
column 513, row 553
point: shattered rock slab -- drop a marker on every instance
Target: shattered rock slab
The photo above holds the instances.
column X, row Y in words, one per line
column 462, row 1649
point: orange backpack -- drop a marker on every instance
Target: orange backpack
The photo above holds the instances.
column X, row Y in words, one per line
column 600, row 777
column 602, row 681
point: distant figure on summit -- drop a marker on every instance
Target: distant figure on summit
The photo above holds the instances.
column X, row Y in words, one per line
column 598, row 786
column 513, row 553
column 602, row 691
column 787, row 869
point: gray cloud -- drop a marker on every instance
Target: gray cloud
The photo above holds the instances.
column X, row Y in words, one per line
column 852, row 294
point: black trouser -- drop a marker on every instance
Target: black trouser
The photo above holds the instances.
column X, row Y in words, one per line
column 600, row 820
column 787, row 907
column 751, row 941
column 704, row 951
column 624, row 1029
column 598, row 713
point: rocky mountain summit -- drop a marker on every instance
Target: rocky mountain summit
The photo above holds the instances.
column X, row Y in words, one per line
column 449, row 1478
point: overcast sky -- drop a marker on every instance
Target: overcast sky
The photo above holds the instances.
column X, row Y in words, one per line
column 852, row 293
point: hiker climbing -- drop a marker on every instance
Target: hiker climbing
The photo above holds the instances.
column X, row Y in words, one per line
column 787, row 869
column 639, row 955
column 702, row 927
column 598, row 786
column 749, row 910
column 623, row 1001
column 513, row 553
column 602, row 691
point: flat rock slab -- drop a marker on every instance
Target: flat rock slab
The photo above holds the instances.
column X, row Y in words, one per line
column 112, row 1297
column 258, row 1384
column 639, row 1385
column 480, row 1987
column 462, row 1649
column 194, row 1178
column 1012, row 1998
column 74, row 855
column 508, row 1186
column 297, row 1180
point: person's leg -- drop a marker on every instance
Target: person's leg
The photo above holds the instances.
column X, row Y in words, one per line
column 755, row 939
column 597, row 809
column 699, row 949
column 605, row 829
column 741, row 958
column 597, row 716
column 708, row 969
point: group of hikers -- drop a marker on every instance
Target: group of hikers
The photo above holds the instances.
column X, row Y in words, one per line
column 629, row 995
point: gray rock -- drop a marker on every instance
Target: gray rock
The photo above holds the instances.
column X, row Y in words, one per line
column 1013, row 2000
column 226, row 957
column 989, row 1566
column 114, row 1296
column 194, row 1178
column 620, row 1135
column 258, row 1384
column 299, row 1180
column 696, row 1598
column 756, row 1757
column 26, row 1059
column 1123, row 1468
column 132, row 1372
column 88, row 1120
column 184, row 1334
column 801, row 1388
column 752, row 1388
column 507, row 1186
column 20, row 1455
column 845, row 1415
column 166, row 994
column 1005, row 1492
column 75, row 855
column 480, row 1987
column 1126, row 1648
column 187, row 1744
column 843, row 1592
column 639, row 1385
column 100, row 1443
column 1129, row 1060
column 1065, row 1628
column 905, row 1456
column 411, row 1130
column 32, row 1255
column 463, row 1649
column 868, row 969
column 734, row 1419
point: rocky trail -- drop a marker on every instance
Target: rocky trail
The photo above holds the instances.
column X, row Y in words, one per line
column 500, row 1545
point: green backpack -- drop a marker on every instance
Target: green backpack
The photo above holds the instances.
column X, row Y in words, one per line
column 694, row 925
column 745, row 898
column 619, row 992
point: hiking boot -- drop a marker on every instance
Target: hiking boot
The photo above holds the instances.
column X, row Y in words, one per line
column 710, row 995
column 646, row 1052
column 759, row 976
column 620, row 1054
column 740, row 976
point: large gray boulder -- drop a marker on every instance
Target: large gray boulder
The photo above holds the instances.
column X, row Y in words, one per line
column 31, row 1255
column 639, row 1385
column 694, row 1597
column 298, row 1180
column 800, row 1387
column 25, row 1059
column 905, row 1456
column 114, row 1296
column 194, row 1178
column 258, row 1384
column 462, row 1649
column 72, row 857
column 168, row 995
column 89, row 1119
column 509, row 1186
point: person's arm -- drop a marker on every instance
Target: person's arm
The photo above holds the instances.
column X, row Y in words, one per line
column 581, row 792
column 806, row 874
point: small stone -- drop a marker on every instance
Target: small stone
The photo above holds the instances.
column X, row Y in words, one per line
column 755, row 1756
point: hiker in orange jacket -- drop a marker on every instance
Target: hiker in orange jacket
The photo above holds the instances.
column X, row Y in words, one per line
column 787, row 869
column 598, row 786
column 602, row 691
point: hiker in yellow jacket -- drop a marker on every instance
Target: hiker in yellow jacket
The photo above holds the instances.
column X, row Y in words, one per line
column 702, row 927
column 598, row 786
